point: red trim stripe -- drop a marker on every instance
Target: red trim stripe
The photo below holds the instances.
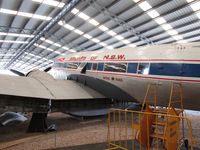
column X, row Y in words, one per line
column 148, row 77
column 138, row 60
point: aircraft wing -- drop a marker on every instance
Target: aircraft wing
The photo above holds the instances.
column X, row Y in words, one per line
column 45, row 87
column 39, row 86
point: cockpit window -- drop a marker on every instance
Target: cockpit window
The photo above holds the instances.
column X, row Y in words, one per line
column 72, row 65
column 58, row 65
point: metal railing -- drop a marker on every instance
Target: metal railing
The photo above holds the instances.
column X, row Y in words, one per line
column 130, row 130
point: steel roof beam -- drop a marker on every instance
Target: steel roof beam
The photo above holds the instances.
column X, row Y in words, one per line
column 120, row 21
column 53, row 21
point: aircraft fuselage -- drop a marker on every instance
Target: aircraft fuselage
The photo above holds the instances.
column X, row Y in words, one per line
column 131, row 69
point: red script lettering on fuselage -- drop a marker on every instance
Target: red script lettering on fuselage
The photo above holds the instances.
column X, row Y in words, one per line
column 77, row 58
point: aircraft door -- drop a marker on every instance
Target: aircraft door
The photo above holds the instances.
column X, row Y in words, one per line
column 82, row 68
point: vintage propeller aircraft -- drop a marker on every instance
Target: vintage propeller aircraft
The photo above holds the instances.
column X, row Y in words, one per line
column 97, row 78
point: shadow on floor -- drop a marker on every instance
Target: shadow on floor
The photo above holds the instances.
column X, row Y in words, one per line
column 103, row 146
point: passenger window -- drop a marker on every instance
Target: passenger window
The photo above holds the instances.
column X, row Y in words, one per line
column 143, row 68
column 100, row 67
column 89, row 66
column 94, row 66
column 167, row 69
column 115, row 67
column 132, row 67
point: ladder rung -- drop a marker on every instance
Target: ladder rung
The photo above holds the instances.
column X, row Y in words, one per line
column 164, row 111
column 176, row 101
column 157, row 135
column 159, row 123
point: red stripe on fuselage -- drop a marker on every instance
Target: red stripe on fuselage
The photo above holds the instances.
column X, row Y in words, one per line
column 138, row 60
column 146, row 77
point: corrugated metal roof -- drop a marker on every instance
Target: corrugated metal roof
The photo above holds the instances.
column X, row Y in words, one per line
column 91, row 25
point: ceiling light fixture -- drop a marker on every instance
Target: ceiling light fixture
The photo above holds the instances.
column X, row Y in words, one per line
column 153, row 13
column 145, row 6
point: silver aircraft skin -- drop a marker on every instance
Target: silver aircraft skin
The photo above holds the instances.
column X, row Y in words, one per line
column 131, row 69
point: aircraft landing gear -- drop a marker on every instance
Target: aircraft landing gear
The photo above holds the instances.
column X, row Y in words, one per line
column 38, row 123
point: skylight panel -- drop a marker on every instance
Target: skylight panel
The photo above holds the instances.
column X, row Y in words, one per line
column 8, row 11
column 112, row 33
column 49, row 49
column 39, row 17
column 102, row 44
column 195, row 6
column 61, row 5
column 57, row 52
column 110, row 47
column 16, row 34
column 44, row 58
column 198, row 14
column 66, row 48
column 103, row 28
column 46, row 40
column 132, row 45
column 51, row 3
column 7, row 54
column 50, row 42
column 69, row 27
column 189, row 1
column 95, row 40
column 119, row 37
column 153, row 13
column 61, row 23
column 24, row 14
column 56, row 44
column 172, row 32
column 83, row 16
column 78, row 32
column 75, row 11
column 87, row 36
column 126, row 41
column 145, row 6
column 136, row 1
column 177, row 37
column 10, row 41
column 3, row 33
column 29, row 54
column 166, row 26
column 41, row 46
column 93, row 22
column 182, row 41
column 72, row 50
column 160, row 20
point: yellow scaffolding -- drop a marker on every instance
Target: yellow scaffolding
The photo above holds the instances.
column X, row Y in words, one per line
column 132, row 130
column 153, row 127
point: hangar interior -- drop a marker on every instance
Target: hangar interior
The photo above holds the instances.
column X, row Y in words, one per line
column 33, row 33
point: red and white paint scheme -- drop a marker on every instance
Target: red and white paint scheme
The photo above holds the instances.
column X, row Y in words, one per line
column 131, row 69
